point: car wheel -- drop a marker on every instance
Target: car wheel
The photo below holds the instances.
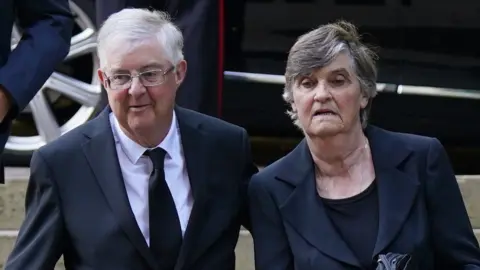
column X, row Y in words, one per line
column 69, row 98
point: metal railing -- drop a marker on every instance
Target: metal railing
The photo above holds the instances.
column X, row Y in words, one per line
column 381, row 87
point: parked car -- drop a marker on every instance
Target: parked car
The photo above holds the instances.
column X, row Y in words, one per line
column 428, row 69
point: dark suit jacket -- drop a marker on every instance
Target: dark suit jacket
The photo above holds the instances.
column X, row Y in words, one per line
column 421, row 210
column 76, row 202
column 47, row 27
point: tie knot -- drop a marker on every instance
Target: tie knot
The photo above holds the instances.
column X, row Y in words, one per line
column 157, row 156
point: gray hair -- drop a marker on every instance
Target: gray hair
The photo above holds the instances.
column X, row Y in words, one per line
column 318, row 48
column 134, row 25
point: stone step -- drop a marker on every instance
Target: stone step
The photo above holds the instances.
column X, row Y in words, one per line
column 12, row 196
column 12, row 199
column 470, row 188
column 244, row 250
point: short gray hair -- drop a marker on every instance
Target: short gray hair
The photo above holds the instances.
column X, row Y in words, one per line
column 136, row 25
column 318, row 48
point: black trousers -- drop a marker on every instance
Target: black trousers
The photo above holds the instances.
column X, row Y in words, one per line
column 212, row 31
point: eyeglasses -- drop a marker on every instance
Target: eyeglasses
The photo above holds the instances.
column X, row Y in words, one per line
column 147, row 78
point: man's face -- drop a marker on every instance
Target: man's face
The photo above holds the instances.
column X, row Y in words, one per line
column 139, row 107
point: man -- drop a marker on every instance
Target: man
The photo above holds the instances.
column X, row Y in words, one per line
column 47, row 26
column 145, row 185
column 212, row 31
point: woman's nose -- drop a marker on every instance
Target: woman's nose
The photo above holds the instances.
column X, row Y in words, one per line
column 322, row 92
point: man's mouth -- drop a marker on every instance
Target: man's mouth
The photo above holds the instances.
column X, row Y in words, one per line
column 138, row 107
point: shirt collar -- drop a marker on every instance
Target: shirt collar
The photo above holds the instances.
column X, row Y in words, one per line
column 134, row 151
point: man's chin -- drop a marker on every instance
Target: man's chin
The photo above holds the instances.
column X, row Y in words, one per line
column 143, row 122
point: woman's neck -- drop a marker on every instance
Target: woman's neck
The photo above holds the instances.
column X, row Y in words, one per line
column 333, row 156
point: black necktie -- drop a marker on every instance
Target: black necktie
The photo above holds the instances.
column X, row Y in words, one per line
column 165, row 230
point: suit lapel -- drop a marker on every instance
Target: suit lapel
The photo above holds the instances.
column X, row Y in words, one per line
column 396, row 194
column 101, row 154
column 306, row 213
column 196, row 147
column 397, row 189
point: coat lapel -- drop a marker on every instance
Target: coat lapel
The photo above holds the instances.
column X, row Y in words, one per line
column 196, row 147
column 101, row 154
column 306, row 213
column 397, row 189
column 397, row 192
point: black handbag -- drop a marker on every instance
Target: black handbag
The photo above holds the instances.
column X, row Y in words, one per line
column 395, row 261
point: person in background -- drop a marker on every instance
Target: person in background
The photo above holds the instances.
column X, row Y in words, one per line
column 147, row 184
column 47, row 28
column 351, row 192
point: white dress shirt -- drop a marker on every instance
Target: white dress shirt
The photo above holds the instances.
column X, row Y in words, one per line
column 136, row 170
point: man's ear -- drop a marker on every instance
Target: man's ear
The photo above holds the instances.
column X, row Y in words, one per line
column 180, row 72
column 102, row 78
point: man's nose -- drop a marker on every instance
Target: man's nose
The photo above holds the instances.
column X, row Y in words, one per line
column 136, row 88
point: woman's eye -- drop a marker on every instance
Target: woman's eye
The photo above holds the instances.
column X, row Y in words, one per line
column 339, row 81
column 307, row 84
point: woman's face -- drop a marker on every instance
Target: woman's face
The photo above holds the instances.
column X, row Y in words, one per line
column 329, row 100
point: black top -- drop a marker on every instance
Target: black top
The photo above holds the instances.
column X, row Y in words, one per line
column 356, row 220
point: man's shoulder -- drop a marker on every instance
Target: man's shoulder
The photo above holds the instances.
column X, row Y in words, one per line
column 210, row 123
column 69, row 142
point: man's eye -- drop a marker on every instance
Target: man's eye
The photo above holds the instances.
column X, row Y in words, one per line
column 120, row 77
column 153, row 73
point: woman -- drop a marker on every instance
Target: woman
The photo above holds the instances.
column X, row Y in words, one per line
column 350, row 192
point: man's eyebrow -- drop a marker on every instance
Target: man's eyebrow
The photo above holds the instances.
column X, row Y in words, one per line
column 146, row 67
column 119, row 70
column 153, row 65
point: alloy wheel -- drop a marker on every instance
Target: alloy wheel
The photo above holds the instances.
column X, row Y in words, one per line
column 67, row 99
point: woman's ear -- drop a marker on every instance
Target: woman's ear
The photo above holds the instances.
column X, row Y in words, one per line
column 363, row 101
column 293, row 106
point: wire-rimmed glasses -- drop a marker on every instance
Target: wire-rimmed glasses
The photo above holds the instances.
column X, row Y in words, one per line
column 120, row 81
